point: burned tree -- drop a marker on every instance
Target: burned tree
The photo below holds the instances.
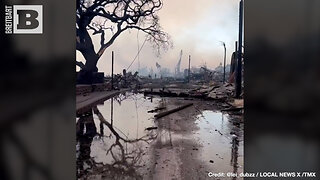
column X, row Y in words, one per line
column 108, row 19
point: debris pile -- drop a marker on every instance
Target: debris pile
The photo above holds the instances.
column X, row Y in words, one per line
column 125, row 80
column 221, row 92
column 88, row 88
column 215, row 91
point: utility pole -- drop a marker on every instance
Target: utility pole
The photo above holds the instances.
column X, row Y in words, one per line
column 236, row 46
column 189, row 72
column 239, row 64
column 111, row 111
column 112, row 62
column 224, row 63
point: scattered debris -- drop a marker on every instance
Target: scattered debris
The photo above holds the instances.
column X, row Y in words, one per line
column 222, row 92
column 237, row 103
column 237, row 124
column 232, row 109
column 125, row 80
column 151, row 128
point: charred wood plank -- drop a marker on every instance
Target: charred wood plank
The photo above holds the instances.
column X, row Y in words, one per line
column 172, row 111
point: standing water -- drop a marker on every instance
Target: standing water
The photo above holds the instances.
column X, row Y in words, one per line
column 118, row 146
column 222, row 140
column 119, row 139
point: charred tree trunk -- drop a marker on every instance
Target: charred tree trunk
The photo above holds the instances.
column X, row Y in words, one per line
column 86, row 74
column 85, row 46
column 124, row 14
column 91, row 60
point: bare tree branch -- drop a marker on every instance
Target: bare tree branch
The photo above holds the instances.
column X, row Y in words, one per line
column 80, row 64
column 122, row 14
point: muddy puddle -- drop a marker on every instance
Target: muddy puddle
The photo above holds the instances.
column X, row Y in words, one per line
column 222, row 141
column 120, row 139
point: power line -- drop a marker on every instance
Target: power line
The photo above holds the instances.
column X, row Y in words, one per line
column 137, row 54
column 138, row 42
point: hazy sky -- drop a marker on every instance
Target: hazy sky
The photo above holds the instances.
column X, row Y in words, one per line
column 195, row 28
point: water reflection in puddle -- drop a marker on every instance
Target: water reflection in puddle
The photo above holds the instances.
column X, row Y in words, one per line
column 222, row 141
column 113, row 140
column 130, row 115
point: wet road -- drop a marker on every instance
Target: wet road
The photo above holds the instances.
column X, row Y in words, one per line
column 121, row 140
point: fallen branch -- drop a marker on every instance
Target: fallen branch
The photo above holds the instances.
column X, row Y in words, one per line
column 172, row 111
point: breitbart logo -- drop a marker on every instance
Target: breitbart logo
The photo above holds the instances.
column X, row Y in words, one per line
column 23, row 19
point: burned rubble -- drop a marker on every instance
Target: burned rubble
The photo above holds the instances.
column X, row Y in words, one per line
column 143, row 136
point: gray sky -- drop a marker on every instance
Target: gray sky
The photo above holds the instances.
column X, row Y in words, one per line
column 196, row 28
